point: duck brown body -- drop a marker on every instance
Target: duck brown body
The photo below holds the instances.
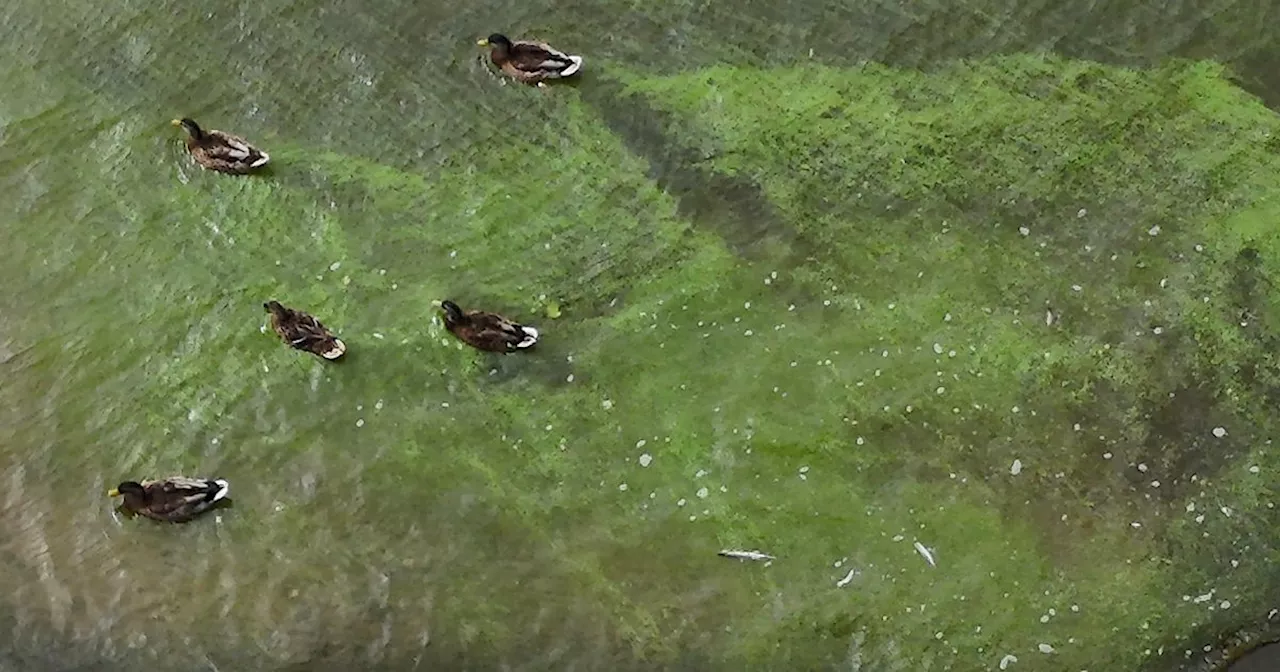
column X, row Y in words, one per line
column 529, row 61
column 304, row 332
column 223, row 152
column 487, row 331
column 176, row 499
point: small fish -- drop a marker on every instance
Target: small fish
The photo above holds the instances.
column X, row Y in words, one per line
column 924, row 552
column 745, row 555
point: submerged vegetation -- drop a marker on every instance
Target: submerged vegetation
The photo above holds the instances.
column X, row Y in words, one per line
column 1016, row 311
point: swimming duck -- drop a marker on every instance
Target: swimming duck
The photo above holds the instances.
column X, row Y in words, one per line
column 304, row 332
column 220, row 151
column 528, row 61
column 176, row 499
column 487, row 331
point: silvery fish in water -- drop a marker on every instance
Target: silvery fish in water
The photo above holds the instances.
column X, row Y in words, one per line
column 924, row 552
column 746, row 555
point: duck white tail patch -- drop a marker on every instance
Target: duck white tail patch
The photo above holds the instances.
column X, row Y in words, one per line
column 577, row 65
column 530, row 337
column 338, row 350
column 223, row 488
column 261, row 162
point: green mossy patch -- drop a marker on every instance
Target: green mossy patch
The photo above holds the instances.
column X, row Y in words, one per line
column 963, row 269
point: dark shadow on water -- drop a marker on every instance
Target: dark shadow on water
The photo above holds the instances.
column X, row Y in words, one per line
column 734, row 207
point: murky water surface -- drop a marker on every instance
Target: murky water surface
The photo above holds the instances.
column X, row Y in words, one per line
column 417, row 506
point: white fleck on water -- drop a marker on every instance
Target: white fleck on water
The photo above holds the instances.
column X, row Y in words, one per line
column 1154, row 231
column 847, row 578
column 701, row 473
column 1142, row 466
column 606, row 404
column 1254, row 469
column 360, row 422
column 335, row 265
column 646, row 459
column 804, row 470
column 1024, row 230
column 640, row 443
column 1219, row 432
column 1081, row 213
column 1045, row 648
column 568, row 378
column 622, row 487
column 861, row 441
column 1009, row 658
column 703, row 492
column 1106, row 455
column 681, row 502
column 1016, row 468
column 937, row 348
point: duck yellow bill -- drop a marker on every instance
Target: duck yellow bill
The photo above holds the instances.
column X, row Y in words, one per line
column 113, row 493
column 176, row 122
column 482, row 42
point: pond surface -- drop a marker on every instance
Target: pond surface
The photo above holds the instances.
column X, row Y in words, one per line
column 741, row 348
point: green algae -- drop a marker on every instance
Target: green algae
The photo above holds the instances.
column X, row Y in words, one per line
column 863, row 383
column 1078, row 231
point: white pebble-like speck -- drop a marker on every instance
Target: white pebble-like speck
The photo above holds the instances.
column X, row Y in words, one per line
column 1009, row 658
column 1082, row 212
column 1254, row 469
column 335, row 265
column 1024, row 230
column 937, row 348
column 1154, row 231
column 682, row 502
column 606, row 404
column 360, row 422
column 1016, row 468
column 1142, row 466
column 622, row 487
column 804, row 470
column 646, row 460
column 702, row 492
column 1045, row 648
column 640, row 443
column 1219, row 432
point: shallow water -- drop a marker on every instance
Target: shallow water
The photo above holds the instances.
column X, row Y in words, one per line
column 421, row 506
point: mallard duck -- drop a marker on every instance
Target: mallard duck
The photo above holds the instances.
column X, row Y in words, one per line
column 220, row 151
column 530, row 62
column 176, row 499
column 487, row 331
column 304, row 332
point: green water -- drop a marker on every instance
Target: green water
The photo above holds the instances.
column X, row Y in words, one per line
column 822, row 285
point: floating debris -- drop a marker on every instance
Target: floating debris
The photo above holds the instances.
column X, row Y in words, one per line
column 847, row 578
column 646, row 459
column 1016, row 468
column 1045, row 648
column 1009, row 658
column 925, row 553
column 1219, row 432
column 745, row 555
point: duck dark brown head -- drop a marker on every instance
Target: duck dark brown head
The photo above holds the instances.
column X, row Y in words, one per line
column 190, row 126
column 497, row 41
column 452, row 313
column 273, row 307
column 130, row 489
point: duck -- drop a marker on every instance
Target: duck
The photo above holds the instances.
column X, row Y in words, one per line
column 220, row 151
column 304, row 332
column 528, row 61
column 487, row 331
column 176, row 499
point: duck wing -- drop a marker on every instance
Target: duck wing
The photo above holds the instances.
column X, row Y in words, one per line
column 542, row 58
column 233, row 149
column 179, row 496
column 499, row 330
